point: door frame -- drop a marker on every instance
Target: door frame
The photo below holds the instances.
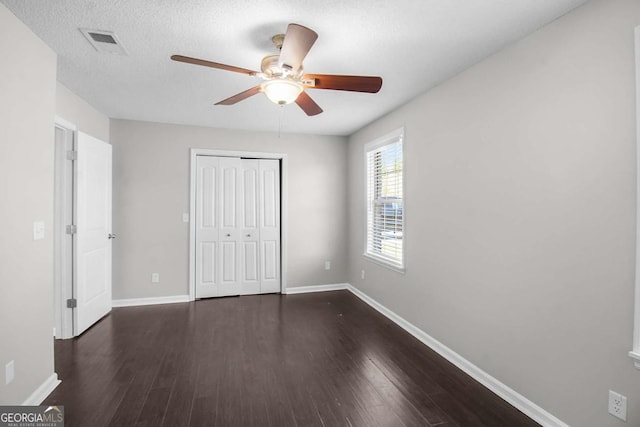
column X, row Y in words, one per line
column 194, row 152
column 63, row 248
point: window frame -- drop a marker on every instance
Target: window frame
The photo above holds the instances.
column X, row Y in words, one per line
column 392, row 137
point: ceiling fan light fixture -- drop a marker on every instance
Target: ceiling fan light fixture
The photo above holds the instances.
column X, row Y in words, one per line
column 282, row 92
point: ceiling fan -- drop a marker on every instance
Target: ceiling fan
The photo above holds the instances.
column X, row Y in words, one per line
column 283, row 77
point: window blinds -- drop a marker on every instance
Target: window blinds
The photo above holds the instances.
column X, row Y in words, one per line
column 385, row 208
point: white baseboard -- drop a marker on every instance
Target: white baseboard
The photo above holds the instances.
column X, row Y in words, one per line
column 517, row 400
column 131, row 302
column 43, row 391
column 317, row 288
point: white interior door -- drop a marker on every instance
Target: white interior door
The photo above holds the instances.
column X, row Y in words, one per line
column 92, row 278
column 237, row 229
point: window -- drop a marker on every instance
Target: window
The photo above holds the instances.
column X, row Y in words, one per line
column 385, row 200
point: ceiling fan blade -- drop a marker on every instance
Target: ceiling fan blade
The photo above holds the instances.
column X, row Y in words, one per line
column 307, row 104
column 350, row 83
column 296, row 45
column 202, row 62
column 240, row 96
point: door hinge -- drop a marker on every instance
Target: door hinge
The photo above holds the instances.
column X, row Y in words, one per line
column 72, row 155
column 72, row 303
column 72, row 229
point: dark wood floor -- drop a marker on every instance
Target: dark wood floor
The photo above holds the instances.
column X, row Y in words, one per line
column 324, row 359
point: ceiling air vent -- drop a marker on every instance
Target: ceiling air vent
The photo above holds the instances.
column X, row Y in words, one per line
column 104, row 41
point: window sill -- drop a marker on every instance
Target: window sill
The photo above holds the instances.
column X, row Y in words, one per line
column 636, row 358
column 384, row 264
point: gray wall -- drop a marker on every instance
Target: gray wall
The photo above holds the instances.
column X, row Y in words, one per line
column 27, row 102
column 151, row 191
column 520, row 206
column 77, row 111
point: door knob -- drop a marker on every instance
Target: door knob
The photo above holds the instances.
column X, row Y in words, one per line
column 248, row 235
column 112, row 236
column 228, row 235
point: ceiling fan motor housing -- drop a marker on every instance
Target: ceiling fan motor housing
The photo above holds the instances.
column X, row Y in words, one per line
column 270, row 68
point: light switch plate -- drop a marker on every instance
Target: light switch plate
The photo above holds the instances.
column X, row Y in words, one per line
column 38, row 230
column 9, row 372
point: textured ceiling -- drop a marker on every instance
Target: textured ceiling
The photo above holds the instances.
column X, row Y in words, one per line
column 412, row 44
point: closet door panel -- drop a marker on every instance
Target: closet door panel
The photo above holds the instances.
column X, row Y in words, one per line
column 207, row 238
column 250, row 231
column 269, row 213
column 230, row 211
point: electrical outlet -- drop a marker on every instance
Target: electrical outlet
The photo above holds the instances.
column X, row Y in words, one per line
column 185, row 217
column 618, row 405
column 9, row 372
column 362, row 275
column 155, row 277
column 327, row 265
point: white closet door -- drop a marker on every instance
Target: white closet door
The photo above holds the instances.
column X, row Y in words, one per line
column 93, row 239
column 230, row 209
column 269, row 214
column 237, row 226
column 250, row 231
column 207, row 274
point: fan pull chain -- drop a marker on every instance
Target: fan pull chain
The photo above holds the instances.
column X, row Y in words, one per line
column 280, row 120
